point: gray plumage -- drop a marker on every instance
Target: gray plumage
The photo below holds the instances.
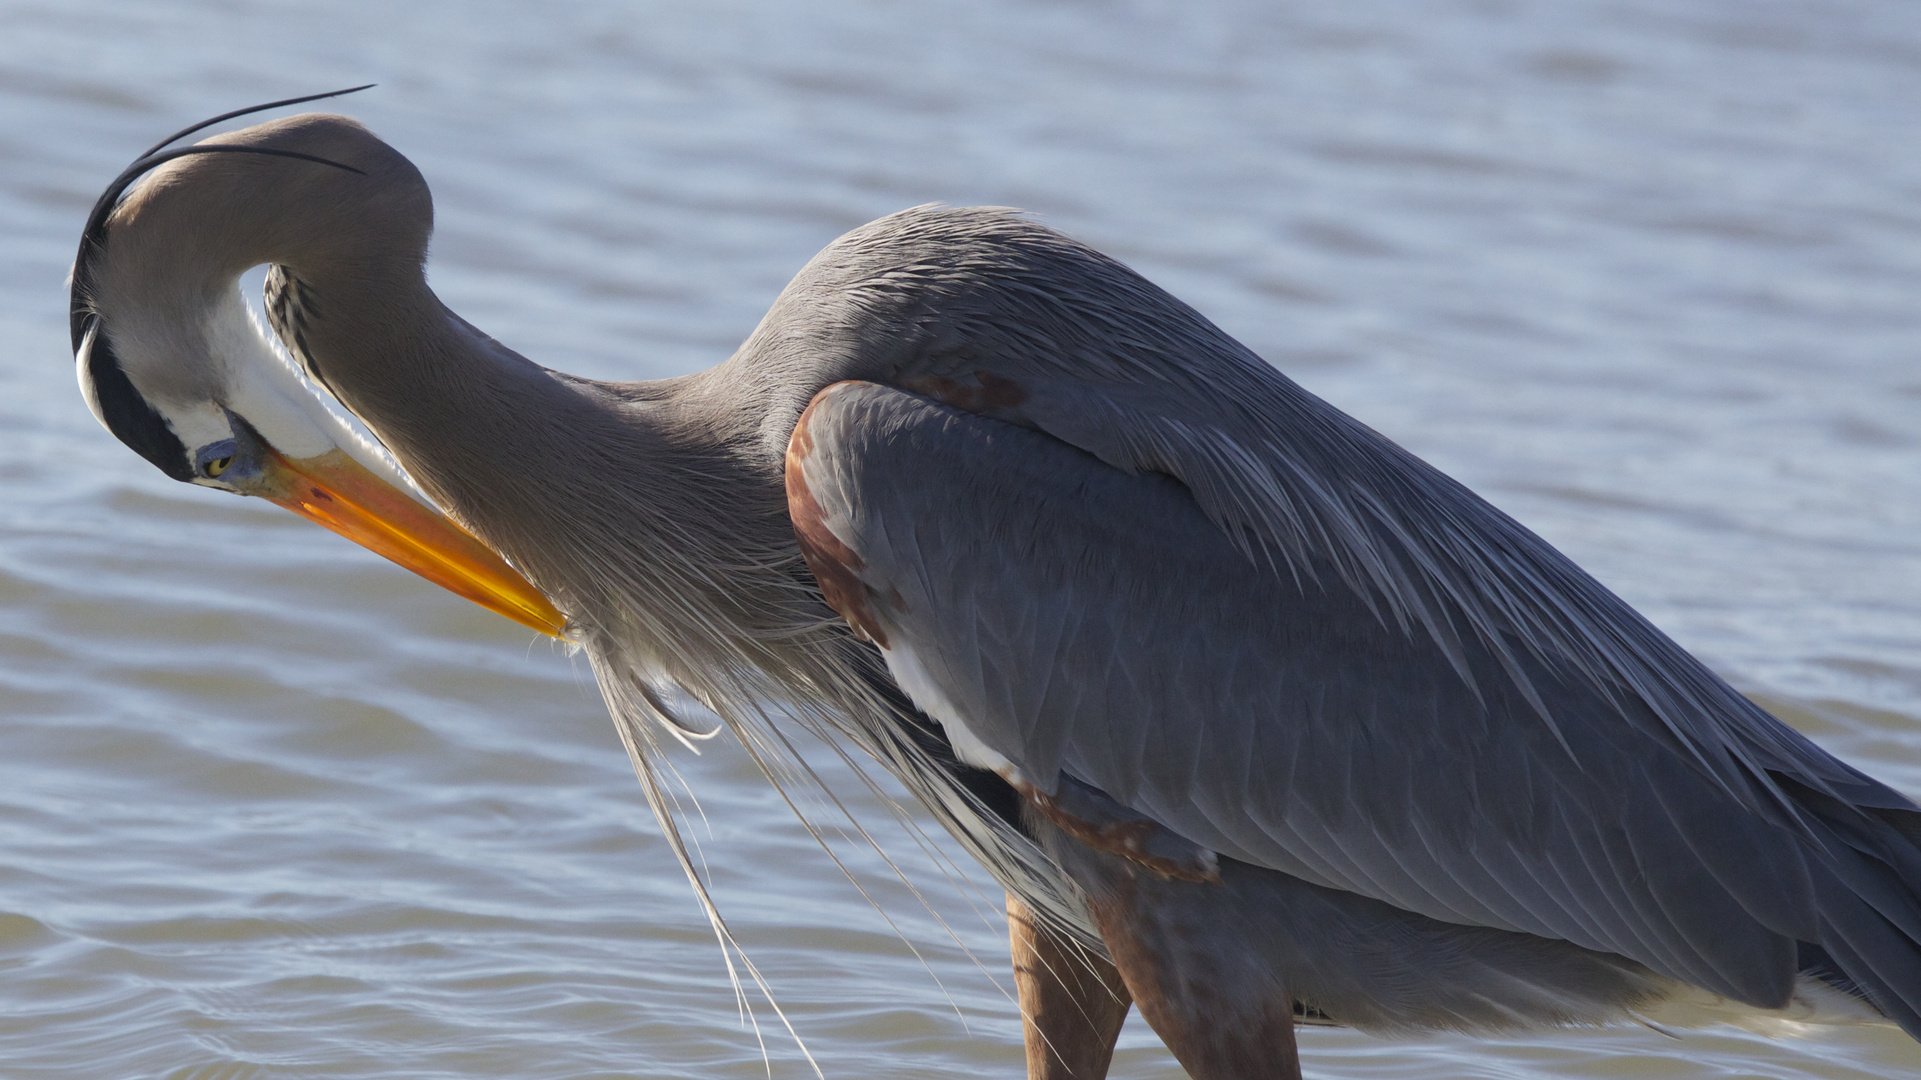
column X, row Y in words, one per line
column 1446, row 778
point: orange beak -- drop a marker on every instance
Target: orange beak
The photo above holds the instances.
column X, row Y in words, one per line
column 338, row 492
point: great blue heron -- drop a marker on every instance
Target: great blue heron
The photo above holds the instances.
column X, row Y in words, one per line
column 1258, row 718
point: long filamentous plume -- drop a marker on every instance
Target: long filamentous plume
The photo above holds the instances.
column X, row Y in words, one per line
column 799, row 667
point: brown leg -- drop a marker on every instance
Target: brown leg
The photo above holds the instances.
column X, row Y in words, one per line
column 1192, row 999
column 1072, row 1004
column 1182, row 927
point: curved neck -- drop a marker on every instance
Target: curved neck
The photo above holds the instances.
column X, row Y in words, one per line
column 474, row 422
column 578, row 482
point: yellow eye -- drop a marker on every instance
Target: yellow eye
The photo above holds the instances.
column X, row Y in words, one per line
column 219, row 465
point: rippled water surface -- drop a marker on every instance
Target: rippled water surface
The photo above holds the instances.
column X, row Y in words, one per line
column 1645, row 274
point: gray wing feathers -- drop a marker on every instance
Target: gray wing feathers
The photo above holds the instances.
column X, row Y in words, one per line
column 1184, row 579
column 1086, row 620
column 1110, row 364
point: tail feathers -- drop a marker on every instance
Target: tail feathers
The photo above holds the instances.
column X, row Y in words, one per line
column 1876, row 960
column 1815, row 962
column 1869, row 901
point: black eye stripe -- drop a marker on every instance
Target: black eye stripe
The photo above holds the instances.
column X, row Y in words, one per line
column 128, row 415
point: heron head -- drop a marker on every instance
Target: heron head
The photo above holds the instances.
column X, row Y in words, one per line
column 172, row 361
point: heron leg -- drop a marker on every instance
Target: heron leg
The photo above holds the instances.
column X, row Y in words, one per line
column 1072, row 1002
column 1216, row 1029
column 1189, row 958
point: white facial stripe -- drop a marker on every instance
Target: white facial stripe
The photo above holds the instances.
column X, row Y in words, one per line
column 254, row 385
column 267, row 388
column 80, row 361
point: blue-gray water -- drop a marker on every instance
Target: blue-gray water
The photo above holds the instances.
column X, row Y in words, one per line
column 1645, row 274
